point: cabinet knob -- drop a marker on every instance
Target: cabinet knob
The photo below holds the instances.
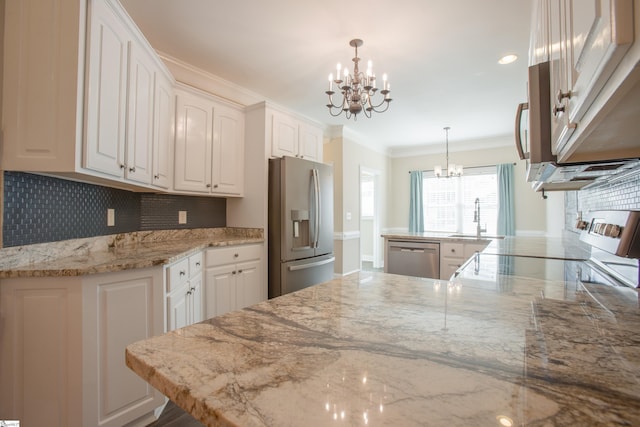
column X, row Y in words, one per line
column 557, row 109
column 453, row 250
column 198, row 264
column 239, row 271
column 236, row 255
column 233, row 272
column 208, row 185
column 562, row 95
column 122, row 166
column 182, row 272
column 133, row 169
column 188, row 292
column 215, row 186
column 192, row 289
column 156, row 176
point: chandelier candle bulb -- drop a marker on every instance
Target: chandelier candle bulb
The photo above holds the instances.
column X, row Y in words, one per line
column 331, row 82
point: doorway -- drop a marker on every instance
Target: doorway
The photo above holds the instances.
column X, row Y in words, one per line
column 370, row 244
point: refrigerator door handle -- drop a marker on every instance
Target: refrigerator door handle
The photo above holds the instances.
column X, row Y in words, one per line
column 311, row 264
column 316, row 219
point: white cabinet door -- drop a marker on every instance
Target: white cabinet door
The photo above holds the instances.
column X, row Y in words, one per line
column 178, row 308
column 141, row 92
column 163, row 132
column 228, row 151
column 42, row 113
column 220, row 292
column 284, row 138
column 105, row 115
column 249, row 284
column 195, row 286
column 41, row 351
column 193, row 149
column 588, row 39
column 310, row 144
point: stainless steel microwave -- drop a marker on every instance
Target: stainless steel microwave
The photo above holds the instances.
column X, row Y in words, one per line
column 534, row 144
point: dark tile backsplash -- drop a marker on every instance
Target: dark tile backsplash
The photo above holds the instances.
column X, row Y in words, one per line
column 39, row 209
column 624, row 194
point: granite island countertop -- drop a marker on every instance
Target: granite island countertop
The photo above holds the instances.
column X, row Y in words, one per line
column 381, row 349
column 567, row 246
column 116, row 252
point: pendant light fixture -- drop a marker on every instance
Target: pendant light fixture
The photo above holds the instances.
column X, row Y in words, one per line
column 358, row 90
column 450, row 169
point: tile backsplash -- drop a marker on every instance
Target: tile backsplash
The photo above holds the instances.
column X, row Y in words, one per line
column 623, row 194
column 39, row 209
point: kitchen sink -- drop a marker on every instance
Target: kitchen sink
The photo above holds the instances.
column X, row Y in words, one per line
column 473, row 236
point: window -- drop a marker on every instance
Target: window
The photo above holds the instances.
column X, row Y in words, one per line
column 449, row 203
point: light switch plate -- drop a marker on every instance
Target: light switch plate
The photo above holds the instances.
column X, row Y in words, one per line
column 348, row 216
column 182, row 217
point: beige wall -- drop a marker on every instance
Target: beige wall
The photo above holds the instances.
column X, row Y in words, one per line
column 348, row 157
column 530, row 208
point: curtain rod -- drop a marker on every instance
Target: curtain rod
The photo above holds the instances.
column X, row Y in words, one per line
column 466, row 167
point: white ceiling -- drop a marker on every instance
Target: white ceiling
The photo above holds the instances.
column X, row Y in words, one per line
column 441, row 58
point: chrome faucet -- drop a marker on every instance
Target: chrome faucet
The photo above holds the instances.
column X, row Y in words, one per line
column 476, row 218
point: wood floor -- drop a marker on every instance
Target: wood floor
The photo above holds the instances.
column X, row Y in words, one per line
column 173, row 416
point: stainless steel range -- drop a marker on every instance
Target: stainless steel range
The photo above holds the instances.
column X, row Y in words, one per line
column 614, row 237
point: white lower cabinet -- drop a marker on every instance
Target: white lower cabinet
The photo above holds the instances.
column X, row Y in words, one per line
column 184, row 292
column 63, row 342
column 233, row 279
column 451, row 258
column 454, row 254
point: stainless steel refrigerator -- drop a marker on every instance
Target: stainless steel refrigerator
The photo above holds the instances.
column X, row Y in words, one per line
column 300, row 231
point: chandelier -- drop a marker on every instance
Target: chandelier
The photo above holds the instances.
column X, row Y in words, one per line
column 451, row 169
column 357, row 90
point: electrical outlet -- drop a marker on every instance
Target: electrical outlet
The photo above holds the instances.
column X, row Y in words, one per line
column 348, row 216
column 182, row 217
column 111, row 217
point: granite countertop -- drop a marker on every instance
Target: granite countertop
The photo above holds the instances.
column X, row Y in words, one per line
column 117, row 252
column 382, row 349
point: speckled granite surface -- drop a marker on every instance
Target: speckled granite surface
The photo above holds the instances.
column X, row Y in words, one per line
column 117, row 252
column 379, row 349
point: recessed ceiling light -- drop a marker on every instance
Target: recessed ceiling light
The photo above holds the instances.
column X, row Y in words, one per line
column 507, row 59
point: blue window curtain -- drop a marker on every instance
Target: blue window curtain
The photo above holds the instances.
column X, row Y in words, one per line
column 506, row 209
column 416, row 213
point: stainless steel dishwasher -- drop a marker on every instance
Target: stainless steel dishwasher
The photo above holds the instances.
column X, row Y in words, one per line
column 411, row 258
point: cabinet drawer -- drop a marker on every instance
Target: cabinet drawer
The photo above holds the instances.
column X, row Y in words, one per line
column 452, row 250
column 232, row 254
column 177, row 274
column 195, row 264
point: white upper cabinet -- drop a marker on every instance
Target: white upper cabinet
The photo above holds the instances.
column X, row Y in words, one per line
column 163, row 124
column 92, row 114
column 43, row 85
column 105, row 115
column 291, row 136
column 227, row 173
column 284, row 140
column 193, row 145
column 209, row 145
column 593, row 64
column 310, row 143
column 140, row 116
